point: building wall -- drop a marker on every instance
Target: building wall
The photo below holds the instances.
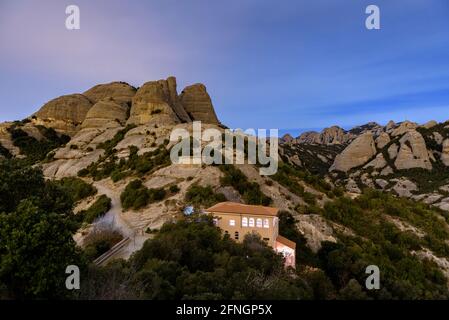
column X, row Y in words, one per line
column 269, row 234
column 288, row 253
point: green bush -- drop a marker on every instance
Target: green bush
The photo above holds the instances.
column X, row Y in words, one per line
column 137, row 196
column 98, row 209
column 174, row 189
column 249, row 190
column 77, row 188
column 199, row 196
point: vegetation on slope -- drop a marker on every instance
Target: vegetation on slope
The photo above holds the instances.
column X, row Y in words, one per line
column 98, row 209
column 250, row 191
column 137, row 196
column 36, row 150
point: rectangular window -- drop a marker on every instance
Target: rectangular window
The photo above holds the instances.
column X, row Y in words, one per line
column 244, row 222
column 232, row 222
column 251, row 222
column 259, row 223
column 266, row 223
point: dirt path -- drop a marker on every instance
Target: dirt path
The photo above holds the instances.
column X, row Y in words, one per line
column 113, row 218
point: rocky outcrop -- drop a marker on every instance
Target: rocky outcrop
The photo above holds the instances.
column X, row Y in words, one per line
column 356, row 154
column 333, row 135
column 413, row 152
column 106, row 113
column 120, row 92
column 377, row 163
column 170, row 90
column 403, row 128
column 287, row 138
column 309, row 137
column 198, row 105
column 151, row 105
column 393, row 151
column 430, row 124
column 382, row 140
column 445, row 153
column 404, row 187
column 65, row 114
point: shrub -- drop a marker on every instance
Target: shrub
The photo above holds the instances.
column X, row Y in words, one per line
column 100, row 241
column 96, row 210
column 203, row 196
column 249, row 190
column 174, row 189
column 77, row 188
column 137, row 196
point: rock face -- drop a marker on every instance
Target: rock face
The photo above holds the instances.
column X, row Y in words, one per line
column 393, row 151
column 403, row 128
column 309, row 137
column 197, row 103
column 65, row 113
column 377, row 163
column 413, row 152
column 120, row 92
column 333, row 135
column 170, row 90
column 382, row 140
column 287, row 138
column 445, row 153
column 106, row 113
column 151, row 105
column 356, row 154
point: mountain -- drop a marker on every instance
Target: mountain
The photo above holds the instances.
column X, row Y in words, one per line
column 337, row 190
column 406, row 158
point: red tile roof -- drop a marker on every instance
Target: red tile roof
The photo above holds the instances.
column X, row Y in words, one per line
column 286, row 242
column 234, row 207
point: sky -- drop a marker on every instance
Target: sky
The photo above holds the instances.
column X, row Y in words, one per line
column 286, row 64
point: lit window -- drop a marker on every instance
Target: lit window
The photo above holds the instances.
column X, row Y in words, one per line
column 266, row 223
column 259, row 223
column 236, row 235
column 232, row 223
column 251, row 222
column 244, row 222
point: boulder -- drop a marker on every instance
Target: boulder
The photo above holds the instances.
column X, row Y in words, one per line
column 390, row 126
column 413, row 152
column 393, row 151
column 351, row 186
column 377, row 163
column 382, row 140
column 198, row 105
column 404, row 188
column 381, row 183
column 403, row 128
column 438, row 138
column 445, row 153
column 150, row 105
column 355, row 154
column 65, row 114
column 106, row 113
column 170, row 89
column 386, row 171
column 120, row 92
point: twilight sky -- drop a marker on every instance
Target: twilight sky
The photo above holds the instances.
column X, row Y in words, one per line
column 266, row 64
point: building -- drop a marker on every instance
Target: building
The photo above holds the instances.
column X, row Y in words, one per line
column 238, row 219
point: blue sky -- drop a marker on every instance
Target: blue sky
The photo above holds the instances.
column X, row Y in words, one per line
column 266, row 64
